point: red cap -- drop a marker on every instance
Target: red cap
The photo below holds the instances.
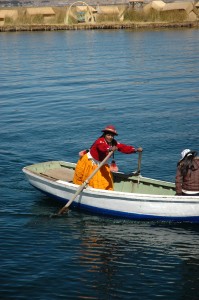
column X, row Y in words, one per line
column 110, row 128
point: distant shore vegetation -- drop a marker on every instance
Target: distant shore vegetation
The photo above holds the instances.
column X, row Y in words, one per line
column 87, row 15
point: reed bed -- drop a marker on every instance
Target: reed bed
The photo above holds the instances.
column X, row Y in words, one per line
column 130, row 15
column 155, row 16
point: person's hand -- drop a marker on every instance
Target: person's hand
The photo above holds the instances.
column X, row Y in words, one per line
column 114, row 148
column 139, row 149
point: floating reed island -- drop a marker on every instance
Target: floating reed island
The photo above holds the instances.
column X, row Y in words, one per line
column 80, row 15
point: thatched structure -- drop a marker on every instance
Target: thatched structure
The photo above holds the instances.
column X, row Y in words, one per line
column 46, row 12
column 156, row 5
column 187, row 6
column 196, row 8
column 161, row 6
column 8, row 13
column 117, row 10
column 107, row 9
column 182, row 6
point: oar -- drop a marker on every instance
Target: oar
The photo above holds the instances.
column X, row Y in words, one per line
column 65, row 208
column 139, row 163
column 137, row 173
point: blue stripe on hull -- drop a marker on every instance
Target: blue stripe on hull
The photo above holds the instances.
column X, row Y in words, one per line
column 113, row 213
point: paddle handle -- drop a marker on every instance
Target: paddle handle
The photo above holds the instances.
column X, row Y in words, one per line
column 139, row 162
column 62, row 210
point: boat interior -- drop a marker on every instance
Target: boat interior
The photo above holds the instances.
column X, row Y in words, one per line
column 133, row 183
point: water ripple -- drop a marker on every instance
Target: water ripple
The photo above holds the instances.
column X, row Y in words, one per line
column 58, row 90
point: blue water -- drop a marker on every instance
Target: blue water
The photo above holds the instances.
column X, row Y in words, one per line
column 57, row 92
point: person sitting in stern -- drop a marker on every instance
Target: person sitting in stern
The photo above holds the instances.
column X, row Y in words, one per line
column 187, row 174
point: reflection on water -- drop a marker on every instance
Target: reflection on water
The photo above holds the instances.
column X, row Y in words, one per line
column 155, row 255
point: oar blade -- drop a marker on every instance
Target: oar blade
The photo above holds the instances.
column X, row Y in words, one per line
column 63, row 210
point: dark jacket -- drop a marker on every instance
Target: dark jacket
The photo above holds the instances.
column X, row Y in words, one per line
column 190, row 182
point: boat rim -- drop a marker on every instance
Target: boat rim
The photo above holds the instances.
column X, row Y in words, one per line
column 88, row 189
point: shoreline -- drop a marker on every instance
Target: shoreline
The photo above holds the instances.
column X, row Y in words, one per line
column 127, row 25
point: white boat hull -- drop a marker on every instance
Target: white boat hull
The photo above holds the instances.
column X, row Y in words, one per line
column 120, row 204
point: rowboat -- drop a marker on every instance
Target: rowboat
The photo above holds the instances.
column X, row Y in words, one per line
column 134, row 196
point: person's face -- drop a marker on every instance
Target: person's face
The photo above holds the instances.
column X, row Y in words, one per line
column 109, row 137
